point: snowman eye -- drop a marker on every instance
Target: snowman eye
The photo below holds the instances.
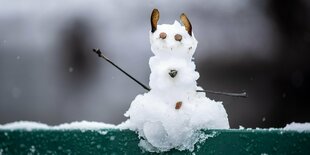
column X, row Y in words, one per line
column 178, row 37
column 163, row 35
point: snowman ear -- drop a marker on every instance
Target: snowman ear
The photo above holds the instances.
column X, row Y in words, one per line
column 186, row 23
column 154, row 19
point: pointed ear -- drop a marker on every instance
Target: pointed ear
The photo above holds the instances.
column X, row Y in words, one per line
column 186, row 23
column 154, row 19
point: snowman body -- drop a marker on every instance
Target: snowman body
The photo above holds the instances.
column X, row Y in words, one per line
column 169, row 115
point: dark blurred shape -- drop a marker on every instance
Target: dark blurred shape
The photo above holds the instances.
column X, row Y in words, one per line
column 293, row 65
column 77, row 65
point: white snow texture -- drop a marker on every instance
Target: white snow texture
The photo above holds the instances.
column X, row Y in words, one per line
column 155, row 114
column 299, row 127
column 83, row 125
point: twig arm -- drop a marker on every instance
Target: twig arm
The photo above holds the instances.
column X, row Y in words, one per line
column 243, row 94
column 97, row 50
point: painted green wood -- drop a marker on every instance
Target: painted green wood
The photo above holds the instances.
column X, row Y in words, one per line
column 113, row 141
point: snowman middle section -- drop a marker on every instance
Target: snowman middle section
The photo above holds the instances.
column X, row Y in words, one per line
column 173, row 79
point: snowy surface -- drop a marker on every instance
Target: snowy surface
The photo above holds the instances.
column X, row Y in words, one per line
column 300, row 127
column 27, row 125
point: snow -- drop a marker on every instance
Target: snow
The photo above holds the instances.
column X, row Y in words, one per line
column 197, row 138
column 299, row 127
column 155, row 114
column 103, row 132
column 83, row 125
column 32, row 149
column 24, row 125
column 241, row 127
column 71, row 69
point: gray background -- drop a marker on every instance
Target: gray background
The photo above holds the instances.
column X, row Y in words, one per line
column 49, row 74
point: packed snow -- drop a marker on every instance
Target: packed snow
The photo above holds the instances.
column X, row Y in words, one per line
column 300, row 127
column 83, row 125
column 26, row 125
column 171, row 114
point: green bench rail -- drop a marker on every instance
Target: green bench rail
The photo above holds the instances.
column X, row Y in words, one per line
column 114, row 141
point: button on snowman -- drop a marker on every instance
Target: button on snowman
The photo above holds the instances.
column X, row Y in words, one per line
column 171, row 114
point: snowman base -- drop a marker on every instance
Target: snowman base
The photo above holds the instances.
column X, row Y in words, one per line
column 163, row 126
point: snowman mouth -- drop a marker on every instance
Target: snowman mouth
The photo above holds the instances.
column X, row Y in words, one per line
column 173, row 73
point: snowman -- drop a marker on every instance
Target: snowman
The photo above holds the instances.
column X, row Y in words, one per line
column 172, row 112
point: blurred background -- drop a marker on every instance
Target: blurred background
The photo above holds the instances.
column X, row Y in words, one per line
column 49, row 74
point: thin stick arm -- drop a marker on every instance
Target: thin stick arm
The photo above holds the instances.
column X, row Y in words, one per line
column 97, row 50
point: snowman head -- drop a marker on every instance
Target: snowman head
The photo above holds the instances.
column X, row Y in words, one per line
column 172, row 40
